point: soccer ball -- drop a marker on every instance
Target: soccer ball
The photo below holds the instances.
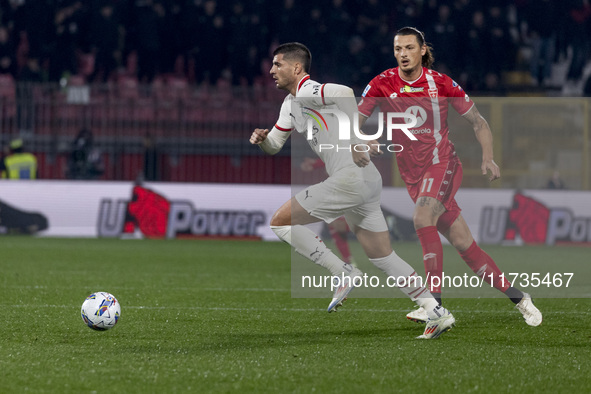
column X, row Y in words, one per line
column 101, row 311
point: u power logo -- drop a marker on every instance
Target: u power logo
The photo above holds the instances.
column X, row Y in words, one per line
column 155, row 216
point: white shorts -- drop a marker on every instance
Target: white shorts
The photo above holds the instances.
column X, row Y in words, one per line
column 346, row 194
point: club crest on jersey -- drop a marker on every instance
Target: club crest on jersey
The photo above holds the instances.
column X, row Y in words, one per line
column 433, row 93
column 410, row 89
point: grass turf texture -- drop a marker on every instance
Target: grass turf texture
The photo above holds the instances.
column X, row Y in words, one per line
column 217, row 316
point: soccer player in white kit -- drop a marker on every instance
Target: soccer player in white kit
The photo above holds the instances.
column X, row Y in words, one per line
column 349, row 190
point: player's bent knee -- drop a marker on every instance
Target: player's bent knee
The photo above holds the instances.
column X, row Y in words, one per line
column 282, row 232
column 421, row 221
column 279, row 219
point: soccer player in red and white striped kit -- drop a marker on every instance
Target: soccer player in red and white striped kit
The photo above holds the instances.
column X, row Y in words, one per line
column 430, row 166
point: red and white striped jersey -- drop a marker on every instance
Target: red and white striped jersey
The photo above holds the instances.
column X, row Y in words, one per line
column 428, row 98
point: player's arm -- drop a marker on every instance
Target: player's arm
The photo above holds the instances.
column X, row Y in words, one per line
column 484, row 137
column 270, row 142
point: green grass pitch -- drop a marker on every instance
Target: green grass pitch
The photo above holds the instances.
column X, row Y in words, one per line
column 218, row 316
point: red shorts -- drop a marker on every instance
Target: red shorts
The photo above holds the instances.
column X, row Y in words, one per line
column 441, row 181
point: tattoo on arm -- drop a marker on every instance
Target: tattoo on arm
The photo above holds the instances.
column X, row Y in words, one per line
column 473, row 116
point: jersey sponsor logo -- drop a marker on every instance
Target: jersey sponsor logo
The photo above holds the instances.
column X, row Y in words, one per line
column 366, row 90
column 410, row 89
column 425, row 130
column 433, row 93
column 419, row 113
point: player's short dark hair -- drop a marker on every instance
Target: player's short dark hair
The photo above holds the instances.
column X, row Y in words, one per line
column 295, row 51
column 428, row 58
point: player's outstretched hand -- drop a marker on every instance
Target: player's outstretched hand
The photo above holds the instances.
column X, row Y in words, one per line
column 361, row 159
column 490, row 165
column 258, row 136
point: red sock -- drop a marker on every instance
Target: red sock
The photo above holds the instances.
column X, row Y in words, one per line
column 432, row 256
column 482, row 264
column 342, row 245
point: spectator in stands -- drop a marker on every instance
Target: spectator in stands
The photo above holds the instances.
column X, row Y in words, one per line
column 145, row 38
column 555, row 182
column 207, row 41
column 18, row 164
column 170, row 35
column 69, row 21
column 540, row 16
column 105, row 40
column 7, row 53
column 477, row 60
column 85, row 161
column 587, row 87
column 580, row 15
column 501, row 47
column 445, row 37
column 151, row 164
column 217, row 36
column 242, row 49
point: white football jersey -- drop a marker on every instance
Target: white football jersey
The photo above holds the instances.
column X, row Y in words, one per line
column 308, row 112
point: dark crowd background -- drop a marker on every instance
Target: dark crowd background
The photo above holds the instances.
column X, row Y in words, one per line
column 480, row 43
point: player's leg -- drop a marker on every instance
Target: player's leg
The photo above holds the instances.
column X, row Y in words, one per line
column 371, row 230
column 459, row 235
column 320, row 202
column 425, row 216
column 338, row 232
column 432, row 195
column 376, row 245
column 288, row 223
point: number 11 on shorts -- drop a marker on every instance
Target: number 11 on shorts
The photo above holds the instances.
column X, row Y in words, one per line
column 427, row 182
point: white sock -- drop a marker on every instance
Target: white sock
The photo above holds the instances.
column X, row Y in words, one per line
column 311, row 247
column 406, row 276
